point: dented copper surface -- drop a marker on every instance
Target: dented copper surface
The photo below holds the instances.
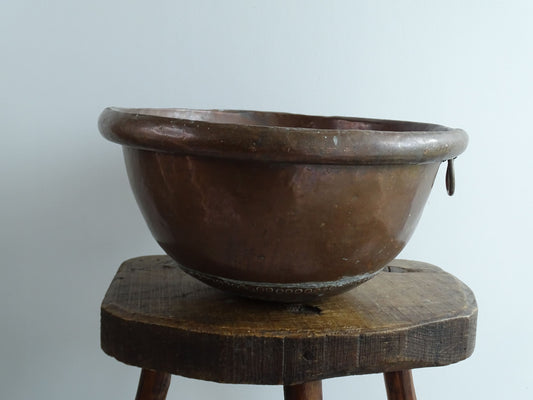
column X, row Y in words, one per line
column 279, row 206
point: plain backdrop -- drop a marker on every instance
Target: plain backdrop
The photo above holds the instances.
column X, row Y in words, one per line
column 68, row 218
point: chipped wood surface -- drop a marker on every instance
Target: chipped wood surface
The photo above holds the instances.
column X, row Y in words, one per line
column 411, row 315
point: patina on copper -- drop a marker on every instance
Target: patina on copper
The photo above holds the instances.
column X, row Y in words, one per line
column 279, row 206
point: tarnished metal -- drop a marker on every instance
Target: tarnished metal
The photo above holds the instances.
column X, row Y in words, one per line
column 271, row 200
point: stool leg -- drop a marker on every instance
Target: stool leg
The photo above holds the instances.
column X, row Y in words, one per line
column 400, row 385
column 304, row 391
column 153, row 385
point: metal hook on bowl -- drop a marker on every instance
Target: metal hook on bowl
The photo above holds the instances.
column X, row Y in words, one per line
column 450, row 177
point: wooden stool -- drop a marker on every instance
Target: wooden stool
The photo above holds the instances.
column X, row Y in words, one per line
column 411, row 315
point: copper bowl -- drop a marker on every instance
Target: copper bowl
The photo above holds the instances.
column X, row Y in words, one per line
column 279, row 206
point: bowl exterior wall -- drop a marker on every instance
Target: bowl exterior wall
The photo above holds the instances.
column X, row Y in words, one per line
column 280, row 223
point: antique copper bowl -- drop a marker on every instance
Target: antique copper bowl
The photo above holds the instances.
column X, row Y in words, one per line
column 279, row 206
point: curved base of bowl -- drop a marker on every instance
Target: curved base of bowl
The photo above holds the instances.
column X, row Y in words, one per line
column 281, row 292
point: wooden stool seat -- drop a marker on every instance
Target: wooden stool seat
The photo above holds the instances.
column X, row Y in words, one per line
column 411, row 315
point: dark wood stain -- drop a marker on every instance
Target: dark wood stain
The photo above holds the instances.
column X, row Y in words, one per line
column 153, row 385
column 156, row 317
column 399, row 385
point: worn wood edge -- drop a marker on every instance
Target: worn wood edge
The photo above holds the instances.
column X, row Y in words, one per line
column 469, row 310
column 411, row 265
column 138, row 349
column 209, row 357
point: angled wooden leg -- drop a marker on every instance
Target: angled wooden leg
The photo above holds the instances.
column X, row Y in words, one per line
column 153, row 385
column 304, row 391
column 400, row 385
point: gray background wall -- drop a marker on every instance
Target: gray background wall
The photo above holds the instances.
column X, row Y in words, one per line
column 67, row 217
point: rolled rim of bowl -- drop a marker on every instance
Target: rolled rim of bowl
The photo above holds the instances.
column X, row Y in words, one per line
column 281, row 137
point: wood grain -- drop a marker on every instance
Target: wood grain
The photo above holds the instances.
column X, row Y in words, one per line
column 153, row 385
column 399, row 385
column 304, row 391
column 411, row 315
